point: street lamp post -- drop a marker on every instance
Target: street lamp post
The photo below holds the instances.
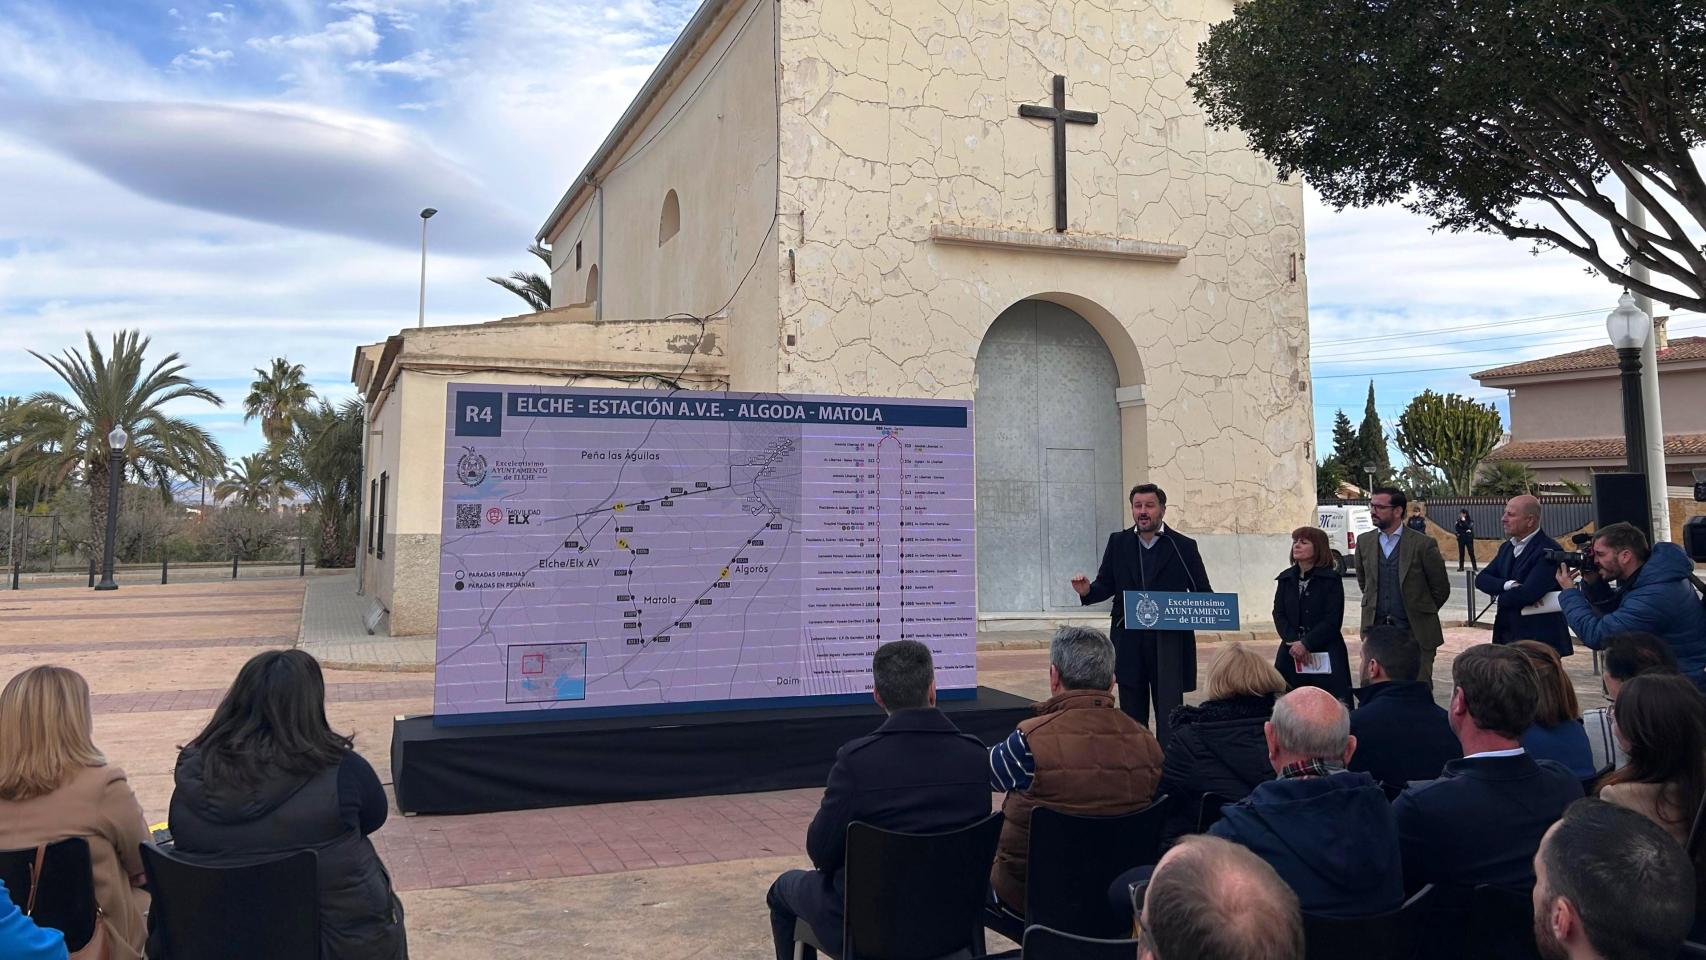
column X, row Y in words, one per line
column 115, row 471
column 1629, row 328
column 1368, row 468
column 426, row 215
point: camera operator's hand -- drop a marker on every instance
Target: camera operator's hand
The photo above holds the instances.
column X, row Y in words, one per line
column 1590, row 574
column 1566, row 579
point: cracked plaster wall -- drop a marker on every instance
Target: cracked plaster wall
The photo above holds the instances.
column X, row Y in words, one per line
column 898, row 114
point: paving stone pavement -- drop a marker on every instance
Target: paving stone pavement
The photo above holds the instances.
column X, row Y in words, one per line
column 666, row 878
column 334, row 630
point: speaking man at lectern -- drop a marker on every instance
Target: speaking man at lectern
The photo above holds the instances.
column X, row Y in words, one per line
column 1149, row 556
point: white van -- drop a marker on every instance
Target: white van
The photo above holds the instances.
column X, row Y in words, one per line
column 1344, row 523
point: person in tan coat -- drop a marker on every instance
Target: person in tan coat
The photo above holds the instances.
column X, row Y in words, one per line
column 1661, row 726
column 1080, row 754
column 54, row 784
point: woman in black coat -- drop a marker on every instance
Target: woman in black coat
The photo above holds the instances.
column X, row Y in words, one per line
column 1309, row 612
column 1218, row 747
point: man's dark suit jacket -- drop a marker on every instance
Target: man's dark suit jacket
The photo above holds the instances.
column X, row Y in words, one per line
column 1171, row 564
column 1535, row 579
column 1402, row 735
column 917, row 774
column 1481, row 821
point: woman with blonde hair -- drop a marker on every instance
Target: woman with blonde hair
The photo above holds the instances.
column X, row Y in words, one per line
column 54, row 785
column 1557, row 732
column 1218, row 746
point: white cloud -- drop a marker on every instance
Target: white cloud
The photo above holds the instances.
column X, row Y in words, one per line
column 217, row 16
column 354, row 37
column 201, row 58
column 420, row 65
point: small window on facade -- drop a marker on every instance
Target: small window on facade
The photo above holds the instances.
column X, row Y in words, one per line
column 669, row 222
column 592, row 284
column 372, row 502
column 384, row 482
column 577, row 256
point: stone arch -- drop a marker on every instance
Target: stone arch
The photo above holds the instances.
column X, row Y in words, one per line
column 1050, row 454
column 591, row 284
column 669, row 221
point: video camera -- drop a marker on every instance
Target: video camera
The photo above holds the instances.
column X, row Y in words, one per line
column 1694, row 531
column 1580, row 559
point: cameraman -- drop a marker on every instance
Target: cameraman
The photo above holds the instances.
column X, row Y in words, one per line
column 1653, row 595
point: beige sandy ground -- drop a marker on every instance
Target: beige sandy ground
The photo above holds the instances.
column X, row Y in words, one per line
column 138, row 645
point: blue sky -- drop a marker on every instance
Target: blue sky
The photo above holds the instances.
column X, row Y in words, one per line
column 241, row 180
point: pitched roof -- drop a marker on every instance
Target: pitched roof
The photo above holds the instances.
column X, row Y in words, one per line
column 1683, row 445
column 1594, row 358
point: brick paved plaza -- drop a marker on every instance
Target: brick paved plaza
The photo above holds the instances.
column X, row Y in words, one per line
column 658, row 879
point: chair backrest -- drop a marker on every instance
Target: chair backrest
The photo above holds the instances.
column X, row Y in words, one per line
column 1042, row 943
column 260, row 911
column 1385, row 936
column 1501, row 924
column 916, row 896
column 66, row 900
column 1209, row 809
column 1073, row 859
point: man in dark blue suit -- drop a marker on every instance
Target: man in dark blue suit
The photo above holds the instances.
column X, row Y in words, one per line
column 1148, row 556
column 1482, row 820
column 917, row 774
column 1519, row 577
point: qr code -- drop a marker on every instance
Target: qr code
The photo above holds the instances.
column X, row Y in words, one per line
column 467, row 516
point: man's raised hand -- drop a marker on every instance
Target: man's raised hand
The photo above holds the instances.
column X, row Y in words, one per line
column 1081, row 584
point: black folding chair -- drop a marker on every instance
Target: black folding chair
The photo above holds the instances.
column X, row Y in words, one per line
column 912, row 896
column 1209, row 809
column 1070, row 864
column 65, row 899
column 1385, row 936
column 260, row 911
column 1042, row 943
column 1501, row 925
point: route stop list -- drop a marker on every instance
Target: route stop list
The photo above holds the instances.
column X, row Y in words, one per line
column 637, row 549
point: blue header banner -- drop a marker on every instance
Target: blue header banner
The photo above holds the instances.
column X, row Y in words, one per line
column 700, row 407
column 1161, row 610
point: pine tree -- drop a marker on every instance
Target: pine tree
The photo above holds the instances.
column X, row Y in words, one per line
column 1345, row 448
column 1371, row 443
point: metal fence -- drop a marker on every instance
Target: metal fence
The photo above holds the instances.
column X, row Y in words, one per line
column 1558, row 515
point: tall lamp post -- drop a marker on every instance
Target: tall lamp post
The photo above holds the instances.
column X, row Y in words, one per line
column 115, row 471
column 425, row 216
column 1629, row 328
column 1368, row 468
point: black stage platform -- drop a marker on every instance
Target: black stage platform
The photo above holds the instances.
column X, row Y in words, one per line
column 560, row 762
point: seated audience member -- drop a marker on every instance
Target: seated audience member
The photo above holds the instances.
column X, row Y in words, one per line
column 1626, row 656
column 1218, row 747
column 1482, row 820
column 1557, row 732
column 1079, row 755
column 54, row 785
column 1661, row 725
column 916, row 774
column 1327, row 832
column 1401, row 734
column 267, row 777
column 1213, row 900
column 21, row 939
column 1609, row 885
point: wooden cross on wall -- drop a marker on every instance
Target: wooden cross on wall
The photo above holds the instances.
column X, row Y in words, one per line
column 1060, row 117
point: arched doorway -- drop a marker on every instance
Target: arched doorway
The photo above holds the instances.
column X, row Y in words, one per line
column 1048, row 457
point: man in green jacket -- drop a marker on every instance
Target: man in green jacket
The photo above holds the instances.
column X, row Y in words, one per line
column 1402, row 576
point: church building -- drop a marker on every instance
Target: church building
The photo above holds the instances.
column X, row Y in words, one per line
column 1015, row 202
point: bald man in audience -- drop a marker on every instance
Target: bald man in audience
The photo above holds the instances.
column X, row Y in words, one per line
column 1214, row 900
column 1519, row 577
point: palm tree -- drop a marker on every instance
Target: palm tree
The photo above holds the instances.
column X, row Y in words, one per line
column 323, row 458
column 532, row 287
column 59, row 434
column 255, row 480
column 277, row 396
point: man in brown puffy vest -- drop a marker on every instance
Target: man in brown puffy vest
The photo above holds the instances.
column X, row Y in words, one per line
column 1079, row 754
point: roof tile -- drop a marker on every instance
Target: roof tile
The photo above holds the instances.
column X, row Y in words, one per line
column 1594, row 358
column 1599, row 448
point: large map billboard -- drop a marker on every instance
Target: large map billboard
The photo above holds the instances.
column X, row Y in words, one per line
column 648, row 550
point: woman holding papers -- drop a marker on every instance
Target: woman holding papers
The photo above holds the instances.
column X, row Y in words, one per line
column 1309, row 611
